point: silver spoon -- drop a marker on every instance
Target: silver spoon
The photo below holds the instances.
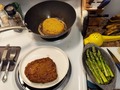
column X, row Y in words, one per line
column 12, row 56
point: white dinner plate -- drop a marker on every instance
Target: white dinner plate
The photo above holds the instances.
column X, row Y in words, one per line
column 57, row 55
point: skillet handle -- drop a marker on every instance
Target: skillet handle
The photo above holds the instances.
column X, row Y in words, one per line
column 17, row 28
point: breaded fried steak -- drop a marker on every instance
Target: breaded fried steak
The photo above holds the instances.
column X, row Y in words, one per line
column 52, row 26
column 41, row 70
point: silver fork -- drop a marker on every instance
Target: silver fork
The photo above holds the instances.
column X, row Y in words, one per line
column 11, row 57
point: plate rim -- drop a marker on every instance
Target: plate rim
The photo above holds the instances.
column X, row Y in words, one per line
column 40, row 47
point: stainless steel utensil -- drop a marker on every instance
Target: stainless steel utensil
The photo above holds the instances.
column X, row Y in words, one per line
column 11, row 58
column 3, row 29
column 4, row 56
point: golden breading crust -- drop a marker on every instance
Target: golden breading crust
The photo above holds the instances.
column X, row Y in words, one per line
column 41, row 70
column 52, row 26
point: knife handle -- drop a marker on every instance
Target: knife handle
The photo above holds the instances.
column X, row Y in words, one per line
column 103, row 4
column 118, row 66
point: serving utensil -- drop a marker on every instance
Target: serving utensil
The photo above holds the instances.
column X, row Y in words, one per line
column 11, row 58
column 117, row 62
column 4, row 56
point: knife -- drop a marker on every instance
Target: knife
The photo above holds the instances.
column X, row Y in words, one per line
column 104, row 3
column 4, row 56
column 117, row 62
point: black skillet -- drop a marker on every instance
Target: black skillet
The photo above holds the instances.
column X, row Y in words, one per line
column 47, row 9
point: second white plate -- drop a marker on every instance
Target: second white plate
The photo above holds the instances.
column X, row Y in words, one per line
column 57, row 55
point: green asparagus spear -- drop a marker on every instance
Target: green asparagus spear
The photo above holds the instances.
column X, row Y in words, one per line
column 103, row 64
column 95, row 74
column 107, row 69
column 96, row 57
column 97, row 67
column 110, row 71
column 99, row 79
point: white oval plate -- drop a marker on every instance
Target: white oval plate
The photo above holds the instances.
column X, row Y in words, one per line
column 56, row 54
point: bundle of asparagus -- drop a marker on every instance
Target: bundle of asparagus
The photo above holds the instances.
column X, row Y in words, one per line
column 97, row 65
